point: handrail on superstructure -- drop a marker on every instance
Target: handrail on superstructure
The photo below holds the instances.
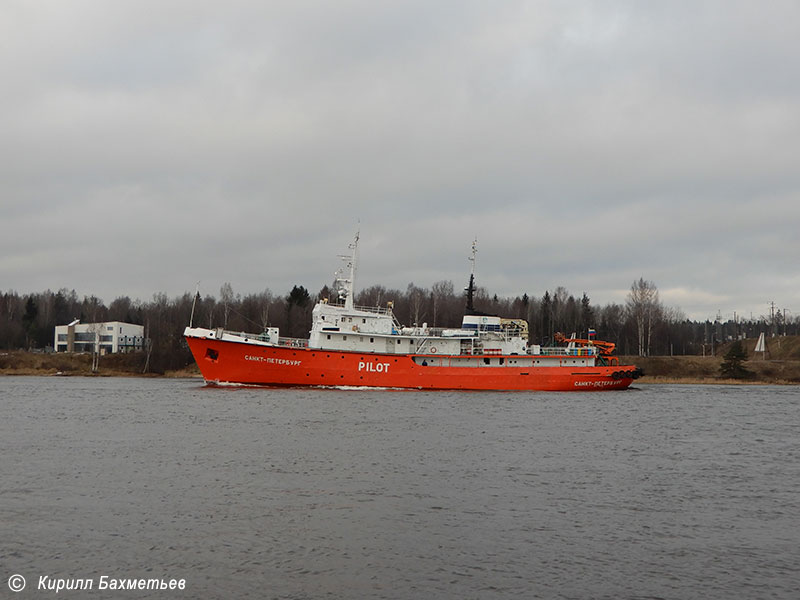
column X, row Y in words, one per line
column 376, row 310
column 560, row 351
column 266, row 338
column 380, row 310
column 293, row 342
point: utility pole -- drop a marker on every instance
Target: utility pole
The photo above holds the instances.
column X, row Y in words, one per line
column 772, row 317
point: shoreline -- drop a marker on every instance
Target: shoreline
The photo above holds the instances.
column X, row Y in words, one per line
column 183, row 374
column 664, row 380
column 694, row 370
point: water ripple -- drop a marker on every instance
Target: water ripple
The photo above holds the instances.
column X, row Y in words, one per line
column 660, row 492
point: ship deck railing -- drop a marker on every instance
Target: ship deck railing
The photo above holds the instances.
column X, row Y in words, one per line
column 432, row 335
column 379, row 310
column 266, row 338
column 502, row 335
column 563, row 351
column 293, row 342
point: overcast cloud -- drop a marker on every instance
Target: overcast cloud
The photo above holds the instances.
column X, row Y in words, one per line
column 148, row 145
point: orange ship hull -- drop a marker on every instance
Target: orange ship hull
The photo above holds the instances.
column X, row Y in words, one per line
column 226, row 362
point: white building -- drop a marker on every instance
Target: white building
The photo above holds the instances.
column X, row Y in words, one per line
column 105, row 338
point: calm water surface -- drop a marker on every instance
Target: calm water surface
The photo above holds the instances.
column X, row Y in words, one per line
column 657, row 492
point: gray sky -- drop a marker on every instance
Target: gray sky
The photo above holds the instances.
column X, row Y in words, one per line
column 147, row 145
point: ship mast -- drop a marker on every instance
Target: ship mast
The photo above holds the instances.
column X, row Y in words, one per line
column 345, row 285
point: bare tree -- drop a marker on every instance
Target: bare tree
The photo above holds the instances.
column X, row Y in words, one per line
column 372, row 296
column 416, row 300
column 266, row 301
column 95, row 309
column 210, row 303
column 441, row 291
column 227, row 298
column 95, row 329
column 645, row 309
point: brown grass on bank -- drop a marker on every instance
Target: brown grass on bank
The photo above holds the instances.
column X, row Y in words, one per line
column 18, row 362
column 659, row 379
column 706, row 369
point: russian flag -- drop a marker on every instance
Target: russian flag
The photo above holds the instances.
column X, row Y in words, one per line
column 592, row 333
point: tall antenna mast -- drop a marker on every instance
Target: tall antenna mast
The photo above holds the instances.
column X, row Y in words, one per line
column 474, row 254
column 194, row 302
column 348, row 303
column 470, row 289
column 345, row 284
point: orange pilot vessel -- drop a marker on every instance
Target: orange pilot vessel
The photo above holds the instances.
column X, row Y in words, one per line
column 357, row 346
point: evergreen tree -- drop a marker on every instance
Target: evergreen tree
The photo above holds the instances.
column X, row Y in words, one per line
column 732, row 366
column 587, row 314
column 298, row 311
column 547, row 317
column 29, row 320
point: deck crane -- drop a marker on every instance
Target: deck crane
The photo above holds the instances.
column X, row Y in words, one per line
column 604, row 348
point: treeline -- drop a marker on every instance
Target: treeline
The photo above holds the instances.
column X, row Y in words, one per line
column 642, row 325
